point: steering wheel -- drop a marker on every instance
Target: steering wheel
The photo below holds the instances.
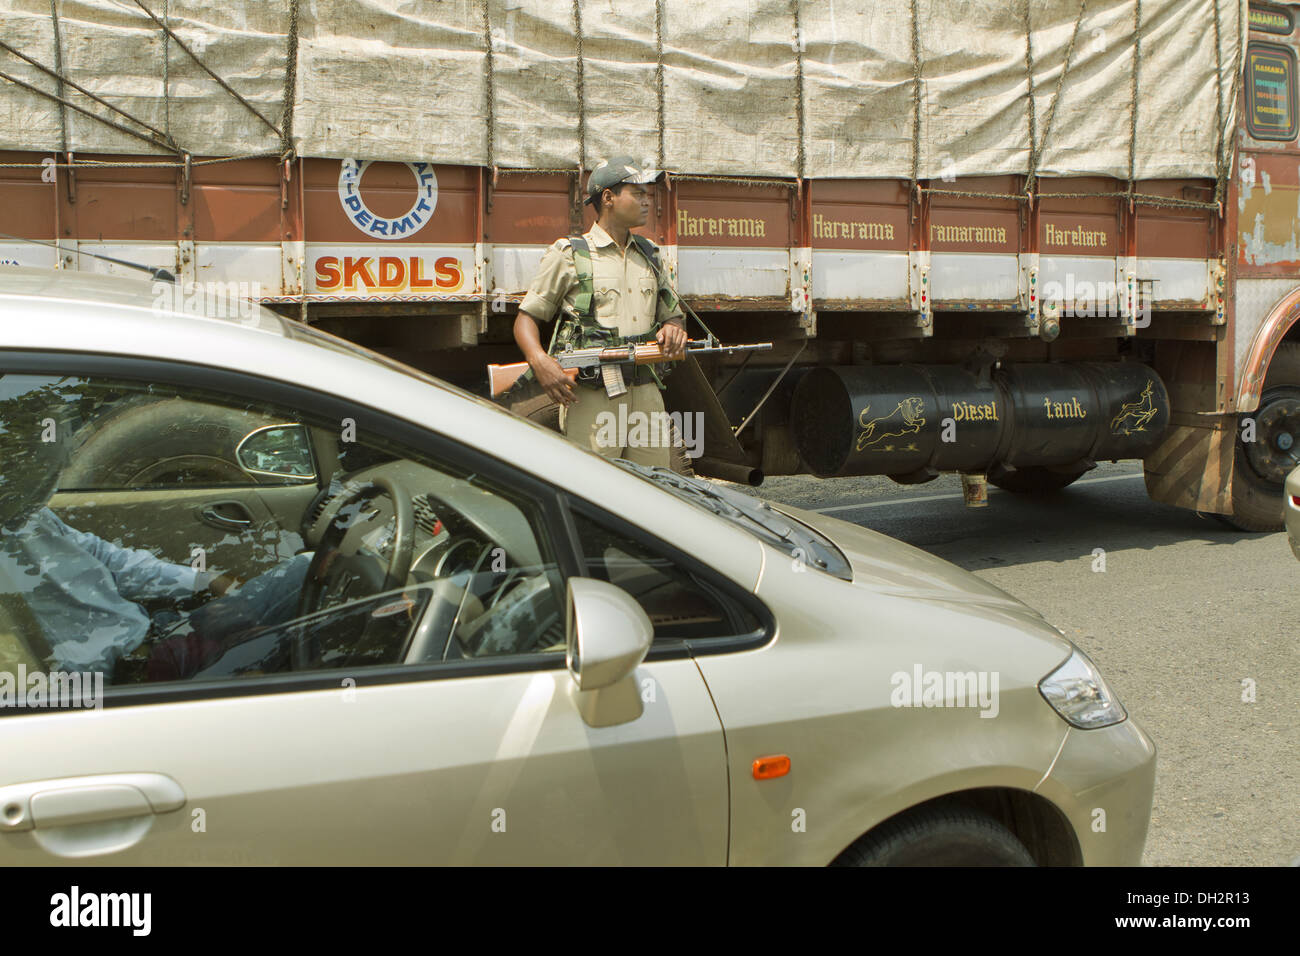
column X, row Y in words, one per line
column 315, row 586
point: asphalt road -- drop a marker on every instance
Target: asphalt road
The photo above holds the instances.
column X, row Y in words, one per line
column 1185, row 611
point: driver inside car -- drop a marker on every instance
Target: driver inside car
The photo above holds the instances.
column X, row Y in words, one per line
column 85, row 593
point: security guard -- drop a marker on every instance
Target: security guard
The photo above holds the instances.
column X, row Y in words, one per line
column 610, row 289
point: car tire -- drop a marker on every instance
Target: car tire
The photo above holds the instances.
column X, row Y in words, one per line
column 1032, row 479
column 172, row 441
column 1257, row 503
column 944, row 836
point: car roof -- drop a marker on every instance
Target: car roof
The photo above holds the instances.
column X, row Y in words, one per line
column 98, row 288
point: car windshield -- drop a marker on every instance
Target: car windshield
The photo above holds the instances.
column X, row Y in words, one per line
column 754, row 515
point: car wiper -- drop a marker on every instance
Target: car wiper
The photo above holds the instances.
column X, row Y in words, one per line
column 779, row 529
column 716, row 501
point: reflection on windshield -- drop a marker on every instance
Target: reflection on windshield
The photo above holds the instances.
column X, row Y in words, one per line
column 754, row 515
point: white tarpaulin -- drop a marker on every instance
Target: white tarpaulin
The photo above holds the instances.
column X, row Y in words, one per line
column 412, row 80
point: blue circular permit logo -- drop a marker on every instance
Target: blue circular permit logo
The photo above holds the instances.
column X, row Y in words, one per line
column 376, row 226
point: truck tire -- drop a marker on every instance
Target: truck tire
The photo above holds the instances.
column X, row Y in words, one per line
column 172, row 441
column 1032, row 479
column 1260, row 467
column 941, row 836
column 540, row 409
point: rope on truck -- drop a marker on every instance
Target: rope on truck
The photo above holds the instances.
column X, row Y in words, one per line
column 1029, row 103
column 1133, row 102
column 916, row 98
column 799, row 91
column 659, row 79
column 58, row 65
column 1056, row 95
column 489, row 87
column 167, row 78
column 207, row 69
column 159, row 137
column 59, row 97
column 734, row 180
column 1225, row 147
column 110, row 164
column 290, row 83
column 68, row 104
column 582, row 103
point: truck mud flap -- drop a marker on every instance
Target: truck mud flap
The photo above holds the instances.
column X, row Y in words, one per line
column 687, row 391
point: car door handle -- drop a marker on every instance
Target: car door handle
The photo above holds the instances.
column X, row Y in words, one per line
column 46, row 804
column 227, row 515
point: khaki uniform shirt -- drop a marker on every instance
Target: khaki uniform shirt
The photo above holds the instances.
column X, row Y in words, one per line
column 626, row 290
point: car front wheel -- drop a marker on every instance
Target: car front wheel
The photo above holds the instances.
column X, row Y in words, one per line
column 938, row 837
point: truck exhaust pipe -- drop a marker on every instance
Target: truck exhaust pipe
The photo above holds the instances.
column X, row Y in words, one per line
column 900, row 419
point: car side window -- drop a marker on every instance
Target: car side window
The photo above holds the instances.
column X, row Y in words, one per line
column 681, row 603
column 151, row 435
column 393, row 558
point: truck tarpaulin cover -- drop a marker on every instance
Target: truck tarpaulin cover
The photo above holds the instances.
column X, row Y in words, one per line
column 404, row 80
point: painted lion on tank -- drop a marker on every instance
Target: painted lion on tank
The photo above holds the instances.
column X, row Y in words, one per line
column 905, row 419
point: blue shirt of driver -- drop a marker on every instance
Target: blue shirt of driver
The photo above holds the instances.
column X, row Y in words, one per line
column 82, row 589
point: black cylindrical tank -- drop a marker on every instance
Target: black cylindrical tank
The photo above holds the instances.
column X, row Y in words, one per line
column 897, row 419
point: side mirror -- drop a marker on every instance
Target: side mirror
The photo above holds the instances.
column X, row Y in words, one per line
column 277, row 451
column 607, row 636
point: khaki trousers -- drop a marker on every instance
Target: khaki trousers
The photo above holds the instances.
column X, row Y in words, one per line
column 633, row 426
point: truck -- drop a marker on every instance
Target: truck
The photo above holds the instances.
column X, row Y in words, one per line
column 1004, row 240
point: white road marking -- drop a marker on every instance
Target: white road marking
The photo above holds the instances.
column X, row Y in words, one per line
column 908, row 501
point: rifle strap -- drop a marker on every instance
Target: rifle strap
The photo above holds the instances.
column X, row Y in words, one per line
column 584, row 303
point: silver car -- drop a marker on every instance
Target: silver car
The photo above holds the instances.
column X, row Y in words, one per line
column 266, row 597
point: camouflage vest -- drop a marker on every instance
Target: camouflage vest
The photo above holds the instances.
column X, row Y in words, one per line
column 579, row 329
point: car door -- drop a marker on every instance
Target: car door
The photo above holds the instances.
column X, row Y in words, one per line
column 373, row 726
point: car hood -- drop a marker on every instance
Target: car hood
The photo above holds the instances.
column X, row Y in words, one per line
column 889, row 566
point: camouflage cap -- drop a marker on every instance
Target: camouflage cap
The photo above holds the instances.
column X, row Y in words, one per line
column 620, row 169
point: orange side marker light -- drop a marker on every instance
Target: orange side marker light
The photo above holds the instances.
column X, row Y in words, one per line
column 769, row 768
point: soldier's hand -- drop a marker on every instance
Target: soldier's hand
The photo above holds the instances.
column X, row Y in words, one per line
column 555, row 380
column 672, row 340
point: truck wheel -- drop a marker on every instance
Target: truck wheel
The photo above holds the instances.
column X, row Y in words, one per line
column 1262, row 465
column 1032, row 479
column 166, row 442
column 938, row 837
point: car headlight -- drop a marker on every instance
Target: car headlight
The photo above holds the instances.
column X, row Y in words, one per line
column 1076, row 692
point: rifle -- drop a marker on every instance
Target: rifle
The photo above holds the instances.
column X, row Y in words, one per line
column 607, row 362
